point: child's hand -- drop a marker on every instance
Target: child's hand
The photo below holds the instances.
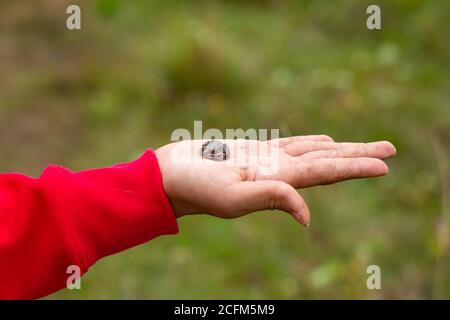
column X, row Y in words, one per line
column 263, row 175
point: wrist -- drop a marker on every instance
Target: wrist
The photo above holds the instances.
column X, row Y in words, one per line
column 177, row 207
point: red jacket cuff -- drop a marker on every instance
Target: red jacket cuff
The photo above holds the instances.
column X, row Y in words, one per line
column 120, row 207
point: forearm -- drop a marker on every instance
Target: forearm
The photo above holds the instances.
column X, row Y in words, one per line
column 65, row 218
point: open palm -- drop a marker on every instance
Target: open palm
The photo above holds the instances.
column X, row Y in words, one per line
column 263, row 175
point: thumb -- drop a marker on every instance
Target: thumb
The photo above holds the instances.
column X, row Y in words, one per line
column 250, row 196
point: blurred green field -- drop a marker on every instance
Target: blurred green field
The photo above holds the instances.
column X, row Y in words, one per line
column 140, row 69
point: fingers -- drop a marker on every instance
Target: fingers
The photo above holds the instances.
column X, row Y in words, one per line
column 285, row 141
column 250, row 196
column 379, row 149
column 330, row 170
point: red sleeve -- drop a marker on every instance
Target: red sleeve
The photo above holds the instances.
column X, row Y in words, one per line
column 64, row 218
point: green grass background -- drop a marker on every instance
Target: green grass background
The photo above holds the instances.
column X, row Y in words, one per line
column 140, row 69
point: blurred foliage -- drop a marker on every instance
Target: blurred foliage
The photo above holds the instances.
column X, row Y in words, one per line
column 139, row 69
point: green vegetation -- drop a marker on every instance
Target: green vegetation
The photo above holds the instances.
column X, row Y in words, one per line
column 139, row 69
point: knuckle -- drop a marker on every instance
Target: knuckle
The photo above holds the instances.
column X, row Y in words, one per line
column 282, row 191
column 333, row 170
column 358, row 168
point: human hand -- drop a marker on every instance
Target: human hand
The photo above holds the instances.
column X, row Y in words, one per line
column 247, row 181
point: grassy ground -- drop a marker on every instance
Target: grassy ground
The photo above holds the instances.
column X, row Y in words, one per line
column 138, row 70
